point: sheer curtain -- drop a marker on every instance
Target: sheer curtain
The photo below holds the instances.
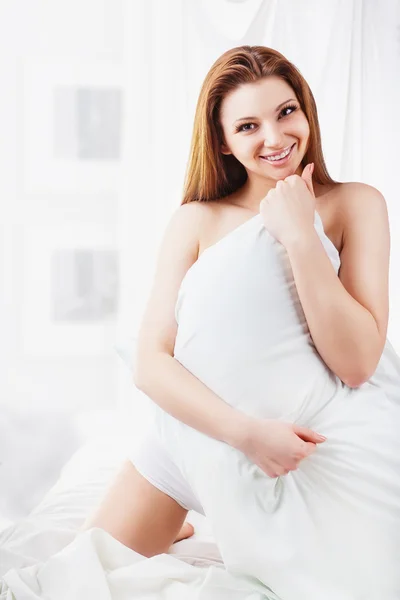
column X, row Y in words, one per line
column 348, row 51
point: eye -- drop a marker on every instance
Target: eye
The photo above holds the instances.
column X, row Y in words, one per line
column 291, row 107
column 240, row 127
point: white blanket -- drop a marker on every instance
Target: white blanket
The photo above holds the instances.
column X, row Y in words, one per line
column 53, row 524
column 329, row 530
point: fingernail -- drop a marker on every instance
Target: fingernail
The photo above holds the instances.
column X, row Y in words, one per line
column 321, row 437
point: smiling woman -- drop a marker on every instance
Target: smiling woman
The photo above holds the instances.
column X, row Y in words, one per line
column 278, row 391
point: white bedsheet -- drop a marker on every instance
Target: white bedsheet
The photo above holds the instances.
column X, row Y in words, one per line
column 51, row 529
column 95, row 566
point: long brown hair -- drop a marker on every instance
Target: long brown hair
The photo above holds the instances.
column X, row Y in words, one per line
column 210, row 174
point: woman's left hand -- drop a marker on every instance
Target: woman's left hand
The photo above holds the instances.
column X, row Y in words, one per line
column 288, row 209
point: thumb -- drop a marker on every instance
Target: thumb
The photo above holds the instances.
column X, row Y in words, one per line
column 308, row 435
column 307, row 176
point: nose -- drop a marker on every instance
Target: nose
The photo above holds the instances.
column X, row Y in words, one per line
column 272, row 137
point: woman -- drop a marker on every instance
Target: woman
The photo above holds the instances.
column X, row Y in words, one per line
column 257, row 175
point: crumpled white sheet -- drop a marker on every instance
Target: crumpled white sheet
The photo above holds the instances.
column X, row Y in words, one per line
column 95, row 566
column 50, row 531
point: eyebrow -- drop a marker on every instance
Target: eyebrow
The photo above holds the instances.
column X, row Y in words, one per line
column 276, row 110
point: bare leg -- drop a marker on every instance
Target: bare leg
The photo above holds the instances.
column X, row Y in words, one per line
column 139, row 515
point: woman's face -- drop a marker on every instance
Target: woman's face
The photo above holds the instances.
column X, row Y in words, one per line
column 263, row 118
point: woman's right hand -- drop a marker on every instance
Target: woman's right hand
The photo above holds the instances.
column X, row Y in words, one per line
column 277, row 447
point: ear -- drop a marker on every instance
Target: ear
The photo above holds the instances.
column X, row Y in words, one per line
column 224, row 149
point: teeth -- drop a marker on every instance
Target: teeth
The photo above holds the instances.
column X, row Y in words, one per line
column 272, row 158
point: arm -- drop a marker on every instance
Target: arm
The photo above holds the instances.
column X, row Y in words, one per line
column 156, row 372
column 348, row 315
column 178, row 392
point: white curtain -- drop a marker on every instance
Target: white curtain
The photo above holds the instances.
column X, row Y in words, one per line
column 348, row 51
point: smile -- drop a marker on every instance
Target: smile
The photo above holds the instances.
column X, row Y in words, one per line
column 279, row 158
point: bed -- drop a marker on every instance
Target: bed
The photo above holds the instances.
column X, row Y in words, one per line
column 55, row 521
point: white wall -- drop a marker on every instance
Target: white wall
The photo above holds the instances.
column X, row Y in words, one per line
column 35, row 29
column 38, row 393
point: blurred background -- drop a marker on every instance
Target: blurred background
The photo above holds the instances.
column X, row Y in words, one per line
column 96, row 110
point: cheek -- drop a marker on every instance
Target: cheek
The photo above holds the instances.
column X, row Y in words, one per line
column 242, row 147
column 302, row 127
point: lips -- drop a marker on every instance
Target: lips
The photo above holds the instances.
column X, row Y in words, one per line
column 277, row 153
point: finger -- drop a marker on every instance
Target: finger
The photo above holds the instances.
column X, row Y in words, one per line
column 291, row 179
column 306, row 450
column 307, row 177
column 308, row 435
column 280, row 473
column 274, row 469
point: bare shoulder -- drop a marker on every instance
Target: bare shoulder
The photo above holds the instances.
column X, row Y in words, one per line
column 202, row 220
column 360, row 204
column 347, row 206
column 190, row 215
column 183, row 232
column 353, row 194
